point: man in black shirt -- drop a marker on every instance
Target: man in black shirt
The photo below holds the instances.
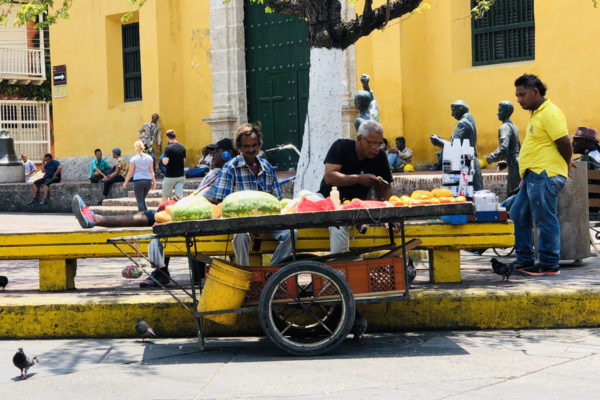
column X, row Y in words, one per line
column 356, row 166
column 173, row 160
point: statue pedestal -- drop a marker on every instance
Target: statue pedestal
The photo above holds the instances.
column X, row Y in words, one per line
column 12, row 173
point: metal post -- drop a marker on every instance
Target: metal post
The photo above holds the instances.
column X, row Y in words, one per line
column 404, row 260
column 189, row 243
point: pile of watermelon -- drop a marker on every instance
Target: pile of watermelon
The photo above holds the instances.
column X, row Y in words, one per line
column 249, row 203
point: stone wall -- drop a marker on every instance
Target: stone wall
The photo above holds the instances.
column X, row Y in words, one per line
column 15, row 196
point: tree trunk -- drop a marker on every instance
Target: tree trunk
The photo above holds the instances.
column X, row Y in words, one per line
column 323, row 123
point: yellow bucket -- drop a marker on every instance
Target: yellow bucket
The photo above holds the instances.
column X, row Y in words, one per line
column 225, row 288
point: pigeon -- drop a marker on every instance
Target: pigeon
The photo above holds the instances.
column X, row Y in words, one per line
column 411, row 271
column 143, row 329
column 3, row 281
column 24, row 362
column 360, row 327
column 502, row 269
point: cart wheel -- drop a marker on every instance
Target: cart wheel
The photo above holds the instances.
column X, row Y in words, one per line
column 311, row 318
column 503, row 252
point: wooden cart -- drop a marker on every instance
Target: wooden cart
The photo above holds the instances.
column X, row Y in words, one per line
column 306, row 307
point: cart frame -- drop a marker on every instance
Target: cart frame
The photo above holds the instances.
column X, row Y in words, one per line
column 392, row 217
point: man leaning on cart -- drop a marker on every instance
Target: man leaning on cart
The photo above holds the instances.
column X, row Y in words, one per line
column 250, row 172
column 356, row 167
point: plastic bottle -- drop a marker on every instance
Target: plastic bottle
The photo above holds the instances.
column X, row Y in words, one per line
column 334, row 195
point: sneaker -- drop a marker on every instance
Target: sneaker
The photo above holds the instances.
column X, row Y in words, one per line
column 520, row 266
column 540, row 270
column 162, row 276
column 43, row 202
column 32, row 201
column 84, row 215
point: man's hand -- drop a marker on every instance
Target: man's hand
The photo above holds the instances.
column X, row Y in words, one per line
column 368, row 180
column 571, row 168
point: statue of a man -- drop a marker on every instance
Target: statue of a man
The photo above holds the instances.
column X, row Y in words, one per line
column 509, row 146
column 365, row 103
column 465, row 129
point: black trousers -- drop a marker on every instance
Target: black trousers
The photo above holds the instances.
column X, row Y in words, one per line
column 108, row 183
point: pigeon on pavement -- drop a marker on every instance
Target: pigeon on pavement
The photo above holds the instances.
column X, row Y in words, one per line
column 502, row 269
column 143, row 329
column 3, row 281
column 24, row 362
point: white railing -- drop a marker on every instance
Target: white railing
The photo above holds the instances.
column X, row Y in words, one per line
column 22, row 63
column 28, row 123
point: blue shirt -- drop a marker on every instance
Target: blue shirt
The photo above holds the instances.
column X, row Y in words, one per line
column 236, row 176
column 51, row 169
column 101, row 165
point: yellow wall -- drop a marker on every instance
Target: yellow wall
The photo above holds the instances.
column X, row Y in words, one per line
column 428, row 56
column 176, row 76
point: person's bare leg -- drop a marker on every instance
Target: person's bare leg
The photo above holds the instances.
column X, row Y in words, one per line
column 35, row 191
column 113, row 221
column 46, row 190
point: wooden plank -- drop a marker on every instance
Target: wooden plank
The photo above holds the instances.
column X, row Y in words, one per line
column 432, row 235
column 594, row 202
column 593, row 188
column 309, row 220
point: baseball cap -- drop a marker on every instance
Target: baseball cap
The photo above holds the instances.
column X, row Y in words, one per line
column 225, row 144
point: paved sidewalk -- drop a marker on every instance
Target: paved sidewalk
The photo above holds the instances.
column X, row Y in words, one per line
column 482, row 300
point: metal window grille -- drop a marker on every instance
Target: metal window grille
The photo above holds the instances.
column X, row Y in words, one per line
column 132, row 70
column 505, row 33
column 28, row 123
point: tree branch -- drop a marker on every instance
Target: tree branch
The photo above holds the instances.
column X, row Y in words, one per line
column 365, row 24
column 368, row 7
column 287, row 7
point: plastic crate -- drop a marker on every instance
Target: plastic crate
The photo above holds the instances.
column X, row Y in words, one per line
column 366, row 276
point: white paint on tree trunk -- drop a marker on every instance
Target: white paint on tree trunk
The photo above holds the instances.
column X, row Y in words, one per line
column 323, row 123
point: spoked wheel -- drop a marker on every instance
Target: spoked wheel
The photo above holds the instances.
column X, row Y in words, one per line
column 503, row 251
column 306, row 308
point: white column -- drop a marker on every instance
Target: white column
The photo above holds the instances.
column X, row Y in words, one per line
column 228, row 65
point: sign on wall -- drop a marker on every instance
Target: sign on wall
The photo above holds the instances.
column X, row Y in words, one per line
column 59, row 77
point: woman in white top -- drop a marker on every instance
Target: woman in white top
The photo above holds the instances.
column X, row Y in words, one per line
column 141, row 168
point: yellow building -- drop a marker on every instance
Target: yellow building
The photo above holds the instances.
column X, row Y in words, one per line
column 196, row 71
column 425, row 62
column 95, row 110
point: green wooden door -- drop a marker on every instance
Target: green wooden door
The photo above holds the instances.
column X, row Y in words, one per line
column 277, row 63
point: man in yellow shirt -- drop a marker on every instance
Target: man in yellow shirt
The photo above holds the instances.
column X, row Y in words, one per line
column 544, row 163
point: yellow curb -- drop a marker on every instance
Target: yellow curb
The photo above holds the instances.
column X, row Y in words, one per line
column 67, row 315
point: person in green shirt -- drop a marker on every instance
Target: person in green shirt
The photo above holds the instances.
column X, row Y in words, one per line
column 544, row 162
column 99, row 167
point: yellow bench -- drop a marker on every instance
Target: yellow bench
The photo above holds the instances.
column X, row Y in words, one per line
column 58, row 252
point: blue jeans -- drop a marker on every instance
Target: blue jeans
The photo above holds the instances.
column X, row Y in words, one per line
column 241, row 246
column 536, row 203
column 396, row 162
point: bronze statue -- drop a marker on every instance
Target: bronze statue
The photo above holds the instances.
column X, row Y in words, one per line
column 509, row 146
column 365, row 103
column 465, row 129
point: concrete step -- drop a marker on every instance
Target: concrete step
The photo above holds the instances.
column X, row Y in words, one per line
column 116, row 210
column 158, row 193
column 130, row 202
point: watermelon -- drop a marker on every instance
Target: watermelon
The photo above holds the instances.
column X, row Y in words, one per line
column 191, row 207
column 356, row 203
column 248, row 203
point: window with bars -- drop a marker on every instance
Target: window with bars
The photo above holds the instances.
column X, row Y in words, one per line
column 505, row 33
column 132, row 70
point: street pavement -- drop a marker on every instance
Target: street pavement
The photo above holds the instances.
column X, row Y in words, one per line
column 507, row 364
column 529, row 364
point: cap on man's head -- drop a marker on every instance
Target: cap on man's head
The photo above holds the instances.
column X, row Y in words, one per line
column 117, row 151
column 587, row 133
column 225, row 144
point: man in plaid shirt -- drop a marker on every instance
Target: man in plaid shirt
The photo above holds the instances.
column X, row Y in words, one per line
column 249, row 172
